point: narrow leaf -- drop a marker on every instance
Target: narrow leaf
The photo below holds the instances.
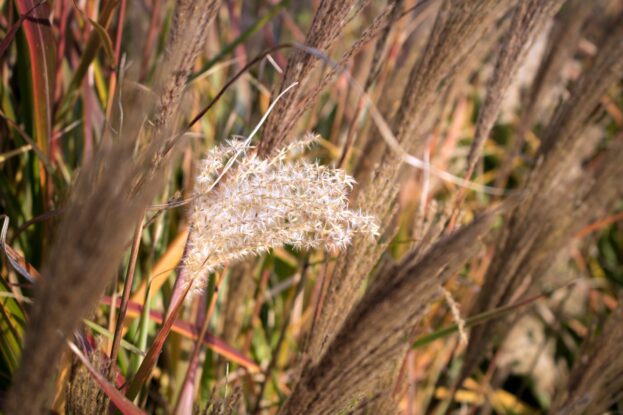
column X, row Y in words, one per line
column 108, row 334
column 106, row 41
column 475, row 321
column 15, row 27
column 41, row 55
column 89, row 54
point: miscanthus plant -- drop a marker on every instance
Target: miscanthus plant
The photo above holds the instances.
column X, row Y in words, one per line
column 245, row 205
column 519, row 101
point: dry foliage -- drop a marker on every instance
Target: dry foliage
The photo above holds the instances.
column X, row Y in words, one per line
column 317, row 271
column 370, row 343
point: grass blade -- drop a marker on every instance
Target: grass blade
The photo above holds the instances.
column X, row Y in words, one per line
column 144, row 371
column 41, row 59
column 474, row 321
column 109, row 335
column 127, row 287
column 4, row 45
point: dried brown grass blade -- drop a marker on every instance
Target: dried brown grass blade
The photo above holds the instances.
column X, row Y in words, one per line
column 14, row 258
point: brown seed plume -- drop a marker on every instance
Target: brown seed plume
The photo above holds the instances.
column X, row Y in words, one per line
column 596, row 382
column 562, row 43
column 528, row 18
column 373, row 338
column 454, row 34
column 84, row 395
column 329, row 20
column 559, row 197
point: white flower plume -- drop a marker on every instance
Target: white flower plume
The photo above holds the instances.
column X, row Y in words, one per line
column 261, row 204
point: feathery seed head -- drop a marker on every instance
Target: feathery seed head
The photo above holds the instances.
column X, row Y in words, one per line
column 260, row 204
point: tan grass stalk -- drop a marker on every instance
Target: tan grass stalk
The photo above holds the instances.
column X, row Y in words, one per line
column 456, row 315
column 188, row 36
column 559, row 197
column 527, row 20
column 562, row 43
column 106, row 203
column 379, row 26
column 388, row 91
column 596, row 381
column 393, row 14
column 373, row 338
column 459, row 26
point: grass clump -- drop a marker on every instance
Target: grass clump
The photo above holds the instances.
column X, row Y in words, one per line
column 369, row 247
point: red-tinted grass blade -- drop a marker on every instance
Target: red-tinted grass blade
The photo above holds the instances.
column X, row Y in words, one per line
column 4, row 45
column 42, row 55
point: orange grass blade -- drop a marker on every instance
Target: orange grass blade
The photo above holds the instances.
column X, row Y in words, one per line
column 135, row 309
column 167, row 263
column 600, row 224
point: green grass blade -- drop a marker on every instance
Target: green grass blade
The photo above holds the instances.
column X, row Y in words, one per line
column 474, row 321
column 107, row 333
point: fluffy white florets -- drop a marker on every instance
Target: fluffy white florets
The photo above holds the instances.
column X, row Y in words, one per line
column 244, row 206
